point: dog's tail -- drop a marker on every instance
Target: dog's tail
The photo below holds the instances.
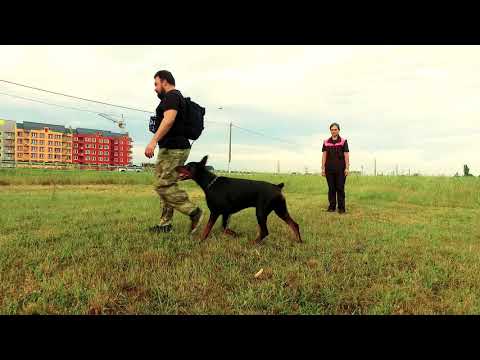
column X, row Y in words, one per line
column 280, row 186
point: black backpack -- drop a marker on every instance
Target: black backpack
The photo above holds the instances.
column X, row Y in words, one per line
column 193, row 118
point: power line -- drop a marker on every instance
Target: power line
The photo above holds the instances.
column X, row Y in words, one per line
column 85, row 110
column 47, row 103
column 260, row 134
column 122, row 107
column 75, row 97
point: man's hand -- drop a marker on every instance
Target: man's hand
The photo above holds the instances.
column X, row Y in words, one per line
column 150, row 149
column 323, row 172
column 346, row 172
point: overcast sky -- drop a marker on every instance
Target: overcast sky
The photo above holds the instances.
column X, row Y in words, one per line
column 415, row 106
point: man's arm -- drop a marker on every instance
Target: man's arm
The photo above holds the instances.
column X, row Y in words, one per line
column 166, row 124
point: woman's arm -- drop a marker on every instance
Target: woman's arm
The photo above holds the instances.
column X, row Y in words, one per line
column 324, row 159
column 347, row 162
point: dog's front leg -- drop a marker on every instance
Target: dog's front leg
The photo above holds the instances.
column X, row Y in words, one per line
column 226, row 230
column 211, row 221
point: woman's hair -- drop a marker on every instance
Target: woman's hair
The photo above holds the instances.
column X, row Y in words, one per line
column 335, row 124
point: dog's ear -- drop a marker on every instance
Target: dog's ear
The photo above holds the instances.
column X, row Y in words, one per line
column 204, row 160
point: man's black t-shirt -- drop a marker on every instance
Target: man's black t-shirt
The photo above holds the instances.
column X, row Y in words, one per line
column 174, row 138
column 335, row 153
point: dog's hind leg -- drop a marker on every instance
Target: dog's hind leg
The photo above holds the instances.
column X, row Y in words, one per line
column 226, row 230
column 282, row 212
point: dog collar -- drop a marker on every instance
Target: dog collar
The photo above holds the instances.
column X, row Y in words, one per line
column 211, row 182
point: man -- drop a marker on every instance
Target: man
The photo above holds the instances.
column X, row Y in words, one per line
column 174, row 149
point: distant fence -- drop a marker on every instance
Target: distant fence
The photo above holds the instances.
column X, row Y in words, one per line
column 59, row 166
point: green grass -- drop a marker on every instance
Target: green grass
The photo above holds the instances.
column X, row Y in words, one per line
column 78, row 245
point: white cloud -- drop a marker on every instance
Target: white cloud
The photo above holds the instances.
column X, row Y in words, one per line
column 385, row 97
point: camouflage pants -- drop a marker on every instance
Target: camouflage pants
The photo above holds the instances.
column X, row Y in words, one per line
column 166, row 184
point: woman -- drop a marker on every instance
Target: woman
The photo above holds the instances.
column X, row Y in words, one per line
column 335, row 165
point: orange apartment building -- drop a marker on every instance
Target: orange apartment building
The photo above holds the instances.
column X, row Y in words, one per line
column 42, row 143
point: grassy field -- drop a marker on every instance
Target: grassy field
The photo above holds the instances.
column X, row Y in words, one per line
column 76, row 242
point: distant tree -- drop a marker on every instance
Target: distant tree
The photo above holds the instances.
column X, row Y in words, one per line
column 456, row 174
column 466, row 171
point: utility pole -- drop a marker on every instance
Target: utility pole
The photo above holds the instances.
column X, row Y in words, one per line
column 375, row 167
column 229, row 147
column 362, row 171
column 278, row 166
column 396, row 170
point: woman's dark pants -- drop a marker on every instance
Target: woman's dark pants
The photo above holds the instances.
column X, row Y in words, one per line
column 336, row 188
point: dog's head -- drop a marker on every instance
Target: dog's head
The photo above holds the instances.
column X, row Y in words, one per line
column 191, row 170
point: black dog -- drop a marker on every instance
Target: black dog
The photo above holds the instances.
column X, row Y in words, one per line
column 226, row 196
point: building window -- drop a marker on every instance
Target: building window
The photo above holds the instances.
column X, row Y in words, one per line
column 50, row 156
column 34, row 156
column 41, row 156
column 75, row 139
column 50, row 149
column 19, row 134
column 94, row 146
column 94, row 153
column 75, row 157
column 87, row 158
column 100, row 153
column 94, row 158
column 87, row 151
column 100, row 146
column 42, row 149
column 106, row 152
column 94, row 140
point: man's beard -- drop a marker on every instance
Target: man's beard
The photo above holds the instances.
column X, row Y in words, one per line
column 161, row 94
